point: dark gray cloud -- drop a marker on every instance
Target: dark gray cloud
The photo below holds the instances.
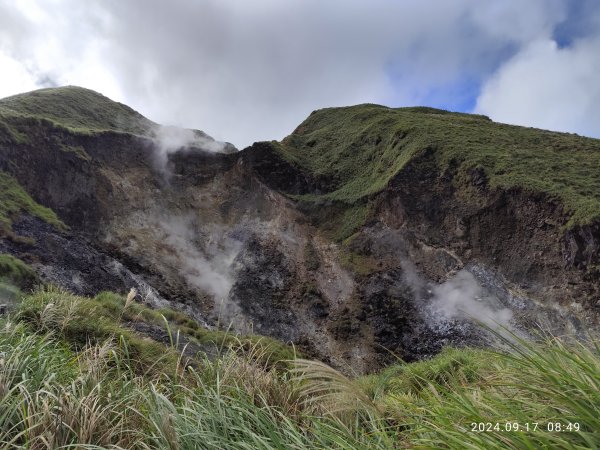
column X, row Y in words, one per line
column 245, row 71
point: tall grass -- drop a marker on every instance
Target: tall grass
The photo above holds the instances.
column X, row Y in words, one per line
column 550, row 391
column 51, row 400
column 54, row 398
column 56, row 395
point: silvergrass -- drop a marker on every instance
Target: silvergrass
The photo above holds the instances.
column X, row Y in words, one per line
column 110, row 391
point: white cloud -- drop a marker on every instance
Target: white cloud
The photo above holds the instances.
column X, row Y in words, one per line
column 245, row 71
column 548, row 87
column 519, row 21
column 15, row 78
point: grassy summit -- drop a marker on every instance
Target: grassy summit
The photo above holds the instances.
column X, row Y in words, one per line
column 75, row 108
column 360, row 149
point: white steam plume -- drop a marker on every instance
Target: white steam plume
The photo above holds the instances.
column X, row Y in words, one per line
column 169, row 139
column 207, row 266
column 463, row 297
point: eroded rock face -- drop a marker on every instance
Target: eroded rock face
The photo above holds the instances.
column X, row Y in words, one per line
column 580, row 246
column 518, row 235
column 263, row 279
column 219, row 236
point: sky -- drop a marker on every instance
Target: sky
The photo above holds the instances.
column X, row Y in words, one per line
column 245, row 71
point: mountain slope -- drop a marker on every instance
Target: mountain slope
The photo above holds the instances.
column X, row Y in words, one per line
column 357, row 151
column 368, row 231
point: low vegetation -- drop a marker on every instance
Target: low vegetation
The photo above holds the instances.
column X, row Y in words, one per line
column 14, row 200
column 73, row 375
column 15, row 277
column 358, row 150
column 16, row 272
column 80, row 321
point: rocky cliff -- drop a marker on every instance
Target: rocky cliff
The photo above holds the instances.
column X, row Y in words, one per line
column 368, row 233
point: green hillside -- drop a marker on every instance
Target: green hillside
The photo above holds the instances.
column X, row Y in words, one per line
column 359, row 149
column 75, row 108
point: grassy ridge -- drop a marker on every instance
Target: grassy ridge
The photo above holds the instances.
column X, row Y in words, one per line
column 107, row 393
column 356, row 151
column 75, row 108
column 359, row 149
